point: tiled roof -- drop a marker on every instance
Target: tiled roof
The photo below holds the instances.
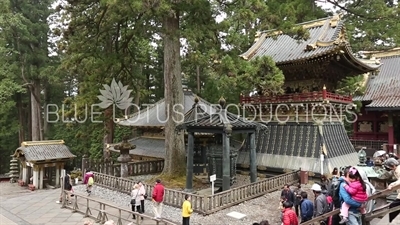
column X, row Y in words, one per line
column 219, row 120
column 147, row 146
column 298, row 145
column 196, row 112
column 155, row 147
column 44, row 151
column 383, row 89
column 156, row 116
column 327, row 36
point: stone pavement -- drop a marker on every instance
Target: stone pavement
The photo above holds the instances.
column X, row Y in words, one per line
column 19, row 206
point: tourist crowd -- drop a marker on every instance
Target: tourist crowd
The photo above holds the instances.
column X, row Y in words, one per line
column 347, row 190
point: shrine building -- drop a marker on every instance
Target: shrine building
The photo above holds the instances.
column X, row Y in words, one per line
column 305, row 123
column 42, row 162
column 150, row 140
column 378, row 123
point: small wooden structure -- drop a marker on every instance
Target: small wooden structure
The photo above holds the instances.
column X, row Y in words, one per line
column 41, row 160
column 222, row 160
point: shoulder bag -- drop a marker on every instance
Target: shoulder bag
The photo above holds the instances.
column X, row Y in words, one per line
column 133, row 200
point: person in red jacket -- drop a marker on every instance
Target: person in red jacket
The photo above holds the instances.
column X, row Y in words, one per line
column 289, row 217
column 158, row 198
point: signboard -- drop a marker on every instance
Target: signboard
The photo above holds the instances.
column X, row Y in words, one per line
column 213, row 178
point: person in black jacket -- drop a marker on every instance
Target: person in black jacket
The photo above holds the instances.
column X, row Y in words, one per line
column 297, row 199
column 287, row 194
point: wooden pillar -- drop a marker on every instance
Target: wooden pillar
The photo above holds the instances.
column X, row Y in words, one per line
column 189, row 162
column 253, row 163
column 85, row 163
column 35, row 179
column 41, row 173
column 58, row 172
column 25, row 176
column 390, row 131
column 226, row 162
column 375, row 124
column 29, row 173
column 355, row 129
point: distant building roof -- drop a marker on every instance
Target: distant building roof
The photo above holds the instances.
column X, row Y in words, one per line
column 327, row 38
column 155, row 146
column 196, row 112
column 155, row 115
column 298, row 145
column 219, row 120
column 36, row 151
column 383, row 88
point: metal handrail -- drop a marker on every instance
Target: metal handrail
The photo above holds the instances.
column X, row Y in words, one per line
column 105, row 210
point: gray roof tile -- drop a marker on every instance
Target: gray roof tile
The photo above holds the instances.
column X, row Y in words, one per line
column 156, row 116
column 218, row 120
column 44, row 151
column 383, row 89
column 325, row 36
column 154, row 147
column 298, row 145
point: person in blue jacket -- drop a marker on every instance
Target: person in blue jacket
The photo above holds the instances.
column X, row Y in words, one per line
column 354, row 211
column 306, row 207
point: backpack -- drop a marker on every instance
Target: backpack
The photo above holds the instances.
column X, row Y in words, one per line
column 329, row 207
column 90, row 181
column 335, row 189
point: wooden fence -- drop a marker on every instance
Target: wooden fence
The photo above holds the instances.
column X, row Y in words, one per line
column 114, row 169
column 102, row 211
column 204, row 204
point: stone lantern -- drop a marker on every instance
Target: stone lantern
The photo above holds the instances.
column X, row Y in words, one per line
column 124, row 157
column 14, row 174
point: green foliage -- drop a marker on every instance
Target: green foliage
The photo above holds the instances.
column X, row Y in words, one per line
column 372, row 24
column 235, row 76
column 76, row 174
column 102, row 40
column 353, row 86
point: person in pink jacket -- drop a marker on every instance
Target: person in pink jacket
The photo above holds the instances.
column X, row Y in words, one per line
column 89, row 182
column 357, row 190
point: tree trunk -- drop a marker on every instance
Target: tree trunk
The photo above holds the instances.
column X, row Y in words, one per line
column 35, row 110
column 109, row 131
column 174, row 142
column 137, row 97
column 44, row 119
column 198, row 78
column 138, row 88
column 21, row 119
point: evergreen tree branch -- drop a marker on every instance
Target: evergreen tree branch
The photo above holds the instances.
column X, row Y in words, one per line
column 335, row 3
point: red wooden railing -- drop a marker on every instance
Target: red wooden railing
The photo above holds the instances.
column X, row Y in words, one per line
column 296, row 97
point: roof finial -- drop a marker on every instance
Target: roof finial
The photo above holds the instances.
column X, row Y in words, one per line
column 222, row 102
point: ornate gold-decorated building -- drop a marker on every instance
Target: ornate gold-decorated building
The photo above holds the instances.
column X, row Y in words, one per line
column 305, row 124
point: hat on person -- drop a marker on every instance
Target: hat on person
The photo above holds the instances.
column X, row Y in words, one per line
column 316, row 187
column 390, row 162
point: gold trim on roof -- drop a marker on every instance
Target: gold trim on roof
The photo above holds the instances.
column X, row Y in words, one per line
column 255, row 46
column 47, row 142
column 384, row 53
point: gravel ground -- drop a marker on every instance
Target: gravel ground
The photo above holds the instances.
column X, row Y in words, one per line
column 256, row 210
